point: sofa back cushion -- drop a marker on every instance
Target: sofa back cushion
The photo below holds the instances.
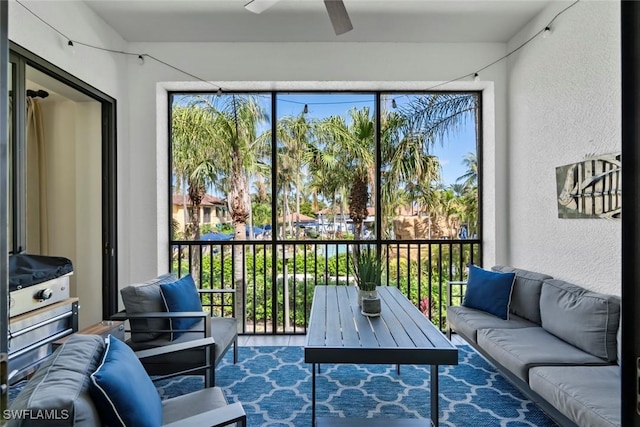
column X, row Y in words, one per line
column 586, row 319
column 146, row 298
column 525, row 298
column 60, row 386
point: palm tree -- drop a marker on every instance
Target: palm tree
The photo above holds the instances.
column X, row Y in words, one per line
column 236, row 156
column 293, row 134
column 470, row 177
column 353, row 149
column 469, row 194
column 285, row 178
column 326, row 159
column 362, row 148
column 408, row 134
column 409, row 165
column 436, row 115
column 324, row 172
column 191, row 149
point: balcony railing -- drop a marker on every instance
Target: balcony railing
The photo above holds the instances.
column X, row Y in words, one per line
column 279, row 277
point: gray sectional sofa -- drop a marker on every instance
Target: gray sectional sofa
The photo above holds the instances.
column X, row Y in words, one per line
column 59, row 393
column 560, row 346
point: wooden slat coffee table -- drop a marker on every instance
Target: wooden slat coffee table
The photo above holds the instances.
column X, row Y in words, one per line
column 339, row 333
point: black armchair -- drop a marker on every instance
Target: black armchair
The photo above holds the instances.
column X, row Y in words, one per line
column 154, row 328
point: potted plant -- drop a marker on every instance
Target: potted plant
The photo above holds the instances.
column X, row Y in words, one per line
column 367, row 267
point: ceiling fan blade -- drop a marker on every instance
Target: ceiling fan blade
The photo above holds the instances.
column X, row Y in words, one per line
column 339, row 16
column 259, row 6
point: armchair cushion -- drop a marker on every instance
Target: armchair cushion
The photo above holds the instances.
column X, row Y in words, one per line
column 146, row 298
column 489, row 291
column 178, row 296
column 123, row 391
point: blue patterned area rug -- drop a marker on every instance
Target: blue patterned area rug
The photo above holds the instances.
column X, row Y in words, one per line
column 274, row 386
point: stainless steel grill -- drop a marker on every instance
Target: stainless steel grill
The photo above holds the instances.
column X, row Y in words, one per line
column 31, row 335
column 40, row 310
column 39, row 295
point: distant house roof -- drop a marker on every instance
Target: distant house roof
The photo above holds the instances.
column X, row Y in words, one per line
column 294, row 217
column 371, row 211
column 207, row 200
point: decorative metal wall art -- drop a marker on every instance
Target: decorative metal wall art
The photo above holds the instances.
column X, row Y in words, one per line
column 591, row 188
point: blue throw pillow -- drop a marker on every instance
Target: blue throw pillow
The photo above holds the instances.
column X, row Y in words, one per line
column 181, row 295
column 489, row 291
column 122, row 390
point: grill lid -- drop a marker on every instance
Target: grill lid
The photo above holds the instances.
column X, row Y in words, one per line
column 28, row 270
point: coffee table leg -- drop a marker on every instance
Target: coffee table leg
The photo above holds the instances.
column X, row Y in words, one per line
column 434, row 396
column 313, row 394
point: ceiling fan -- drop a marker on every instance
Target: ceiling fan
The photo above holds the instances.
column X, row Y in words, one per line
column 337, row 13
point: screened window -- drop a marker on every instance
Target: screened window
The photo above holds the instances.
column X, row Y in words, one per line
column 330, row 166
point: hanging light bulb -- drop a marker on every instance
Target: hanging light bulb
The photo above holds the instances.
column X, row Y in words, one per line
column 71, row 47
column 140, row 59
column 393, row 104
column 305, row 110
column 476, row 77
column 219, row 92
column 546, row 33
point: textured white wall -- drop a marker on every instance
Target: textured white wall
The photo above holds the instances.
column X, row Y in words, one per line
column 564, row 102
column 301, row 66
column 103, row 70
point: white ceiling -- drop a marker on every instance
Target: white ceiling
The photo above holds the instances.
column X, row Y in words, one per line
column 307, row 20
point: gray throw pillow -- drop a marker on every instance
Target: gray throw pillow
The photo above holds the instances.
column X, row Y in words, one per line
column 146, row 298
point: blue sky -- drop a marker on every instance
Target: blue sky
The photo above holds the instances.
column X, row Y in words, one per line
column 453, row 150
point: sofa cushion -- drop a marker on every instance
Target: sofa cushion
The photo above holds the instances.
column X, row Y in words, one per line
column 489, row 291
column 467, row 321
column 123, row 391
column 61, row 384
column 586, row 319
column 179, row 296
column 588, row 395
column 518, row 350
column 146, row 298
column 525, row 297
